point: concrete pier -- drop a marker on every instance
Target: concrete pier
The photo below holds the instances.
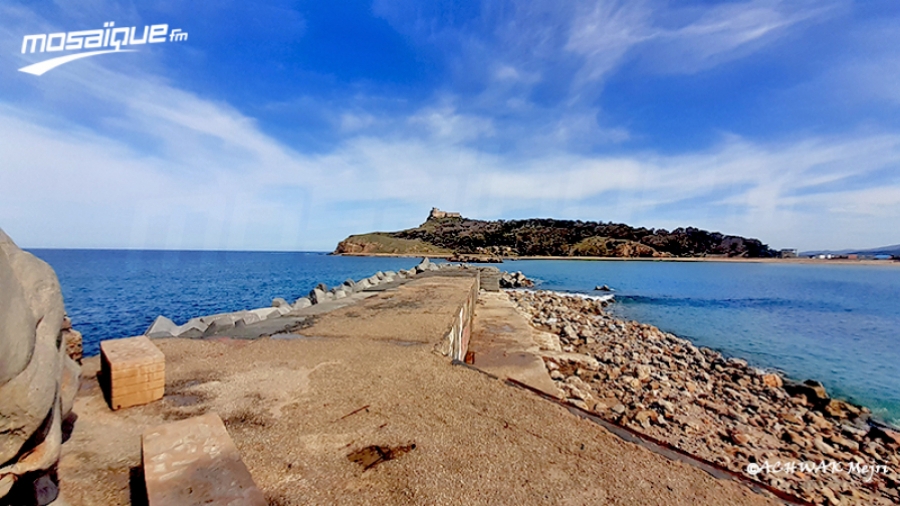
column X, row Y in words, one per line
column 363, row 405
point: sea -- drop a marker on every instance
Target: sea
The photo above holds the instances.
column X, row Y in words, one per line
column 834, row 323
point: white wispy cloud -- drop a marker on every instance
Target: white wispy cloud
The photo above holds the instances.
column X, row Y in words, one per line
column 217, row 180
column 160, row 166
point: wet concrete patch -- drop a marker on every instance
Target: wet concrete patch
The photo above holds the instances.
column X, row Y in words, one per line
column 392, row 303
column 288, row 335
column 373, row 455
column 406, row 343
column 183, row 400
column 247, row 418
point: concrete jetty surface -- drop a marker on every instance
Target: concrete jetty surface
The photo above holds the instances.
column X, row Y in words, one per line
column 358, row 406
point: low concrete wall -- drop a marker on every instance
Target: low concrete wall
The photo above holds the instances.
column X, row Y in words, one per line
column 461, row 329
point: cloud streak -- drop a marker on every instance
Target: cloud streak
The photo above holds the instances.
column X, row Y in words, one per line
column 117, row 158
column 215, row 167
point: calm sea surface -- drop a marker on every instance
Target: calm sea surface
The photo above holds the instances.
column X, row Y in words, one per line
column 838, row 324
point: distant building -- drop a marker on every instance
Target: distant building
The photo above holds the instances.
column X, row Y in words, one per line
column 437, row 214
column 852, row 256
column 788, row 253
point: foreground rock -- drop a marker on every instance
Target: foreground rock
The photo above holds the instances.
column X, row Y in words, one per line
column 716, row 408
column 73, row 340
column 515, row 280
column 38, row 379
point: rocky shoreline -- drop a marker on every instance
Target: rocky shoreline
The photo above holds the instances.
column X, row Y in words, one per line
column 717, row 408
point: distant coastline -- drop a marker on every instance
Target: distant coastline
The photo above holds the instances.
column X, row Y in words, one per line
column 811, row 261
column 445, row 233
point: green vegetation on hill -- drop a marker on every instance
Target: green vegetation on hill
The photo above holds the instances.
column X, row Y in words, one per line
column 549, row 237
column 382, row 243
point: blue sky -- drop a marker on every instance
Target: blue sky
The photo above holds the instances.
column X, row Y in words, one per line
column 289, row 125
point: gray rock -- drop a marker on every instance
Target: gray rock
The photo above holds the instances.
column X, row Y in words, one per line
column 265, row 313
column 643, row 372
column 339, row 294
column 316, row 295
column 194, row 328
column 219, row 323
column 362, row 285
column 813, row 391
column 247, row 318
column 380, row 275
column 349, row 286
column 279, row 302
column 302, row 302
column 38, row 380
column 162, row 327
column 17, row 321
column 424, row 265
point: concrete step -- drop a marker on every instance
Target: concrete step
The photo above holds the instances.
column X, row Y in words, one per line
column 194, row 461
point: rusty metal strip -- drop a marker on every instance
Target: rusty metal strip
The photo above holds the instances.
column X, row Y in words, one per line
column 661, row 447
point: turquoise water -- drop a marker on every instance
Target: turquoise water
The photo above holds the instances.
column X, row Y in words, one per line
column 834, row 323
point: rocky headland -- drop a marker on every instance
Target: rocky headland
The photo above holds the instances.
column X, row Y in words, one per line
column 717, row 408
column 449, row 234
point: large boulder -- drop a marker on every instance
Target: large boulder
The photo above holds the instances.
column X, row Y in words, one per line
column 38, row 379
column 813, row 391
column 424, row 265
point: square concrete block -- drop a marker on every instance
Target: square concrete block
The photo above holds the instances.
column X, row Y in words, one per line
column 193, row 462
column 133, row 371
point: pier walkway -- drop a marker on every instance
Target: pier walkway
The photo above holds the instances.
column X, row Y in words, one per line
column 363, row 405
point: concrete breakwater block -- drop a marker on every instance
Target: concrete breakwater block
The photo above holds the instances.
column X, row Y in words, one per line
column 133, row 371
column 194, row 461
column 162, row 327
